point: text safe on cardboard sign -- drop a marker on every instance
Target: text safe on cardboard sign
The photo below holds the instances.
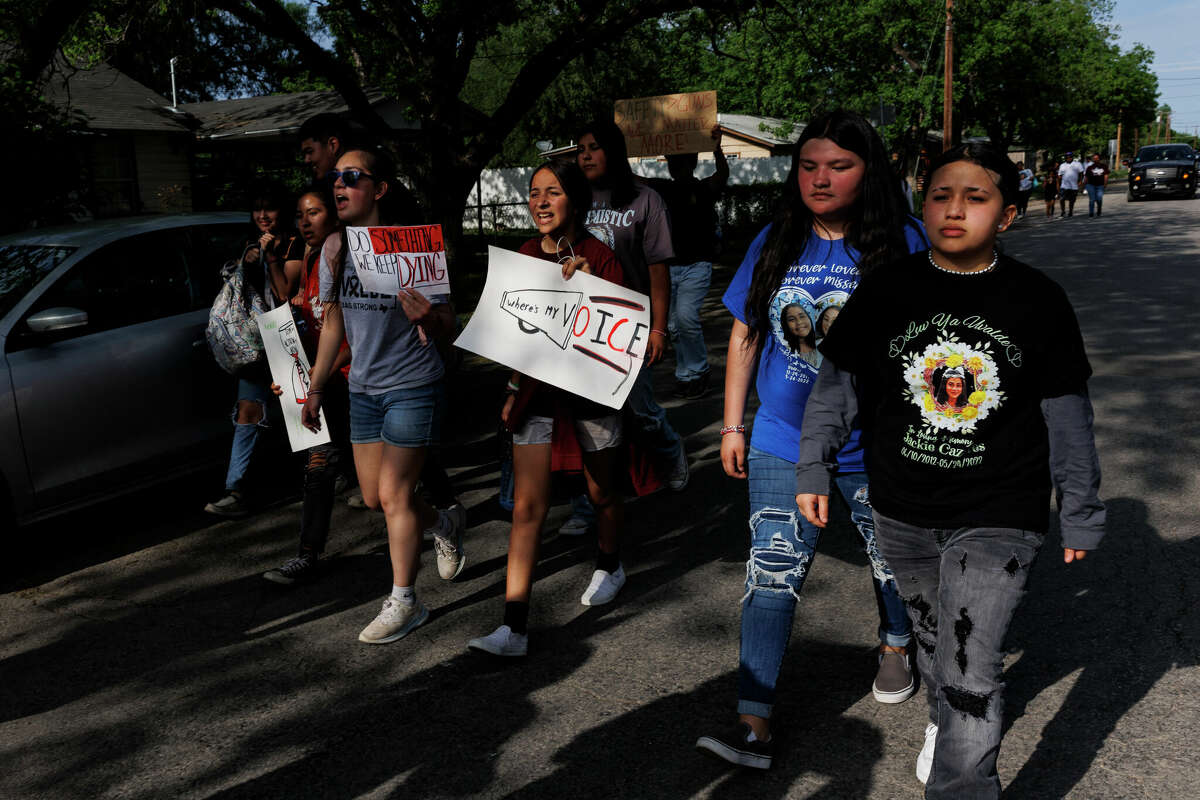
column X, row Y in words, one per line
column 666, row 124
column 584, row 335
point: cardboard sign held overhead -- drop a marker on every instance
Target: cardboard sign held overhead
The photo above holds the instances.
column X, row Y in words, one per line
column 584, row 335
column 389, row 259
column 289, row 369
column 669, row 123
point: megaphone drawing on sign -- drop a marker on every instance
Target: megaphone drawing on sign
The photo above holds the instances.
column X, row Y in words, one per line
column 547, row 310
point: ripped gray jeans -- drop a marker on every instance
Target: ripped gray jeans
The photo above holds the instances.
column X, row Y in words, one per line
column 970, row 580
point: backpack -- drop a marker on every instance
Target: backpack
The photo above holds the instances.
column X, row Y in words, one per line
column 232, row 332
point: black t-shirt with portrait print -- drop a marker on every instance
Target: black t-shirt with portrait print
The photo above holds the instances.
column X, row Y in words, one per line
column 951, row 370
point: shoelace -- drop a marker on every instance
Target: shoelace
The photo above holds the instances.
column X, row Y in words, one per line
column 296, row 564
column 444, row 546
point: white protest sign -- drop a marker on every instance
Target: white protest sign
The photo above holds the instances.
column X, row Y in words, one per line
column 389, row 259
column 585, row 335
column 289, row 369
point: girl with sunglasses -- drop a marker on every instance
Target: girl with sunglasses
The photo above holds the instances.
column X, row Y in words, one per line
column 272, row 258
column 396, row 395
column 974, row 393
column 559, row 197
column 843, row 216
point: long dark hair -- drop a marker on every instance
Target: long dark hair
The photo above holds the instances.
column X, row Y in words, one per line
column 940, row 378
column 877, row 219
column 574, row 184
column 381, row 166
column 618, row 175
column 792, row 339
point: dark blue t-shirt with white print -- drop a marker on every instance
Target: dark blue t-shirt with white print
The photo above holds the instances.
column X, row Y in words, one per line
column 808, row 300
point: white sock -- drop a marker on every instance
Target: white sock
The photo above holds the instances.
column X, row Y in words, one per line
column 406, row 595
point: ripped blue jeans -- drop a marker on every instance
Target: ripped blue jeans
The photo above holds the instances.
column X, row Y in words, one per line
column 782, row 544
column 962, row 586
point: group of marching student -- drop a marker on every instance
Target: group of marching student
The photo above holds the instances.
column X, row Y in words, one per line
column 939, row 386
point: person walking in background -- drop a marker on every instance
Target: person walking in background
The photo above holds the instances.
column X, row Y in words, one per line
column 396, row 394
column 632, row 220
column 317, row 220
column 1069, row 174
column 843, row 215
column 1050, row 186
column 691, row 204
column 970, row 426
column 271, row 259
column 1025, row 189
column 323, row 140
column 1096, row 177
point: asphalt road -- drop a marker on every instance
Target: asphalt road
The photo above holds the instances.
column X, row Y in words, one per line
column 142, row 656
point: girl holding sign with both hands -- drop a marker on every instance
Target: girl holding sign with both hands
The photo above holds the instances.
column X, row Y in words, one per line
column 559, row 197
column 396, row 395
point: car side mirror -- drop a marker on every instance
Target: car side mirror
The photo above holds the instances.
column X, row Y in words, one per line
column 57, row 319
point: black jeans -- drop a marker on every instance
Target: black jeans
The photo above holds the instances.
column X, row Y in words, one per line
column 324, row 466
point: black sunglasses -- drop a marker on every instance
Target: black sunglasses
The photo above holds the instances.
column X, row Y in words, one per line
column 350, row 177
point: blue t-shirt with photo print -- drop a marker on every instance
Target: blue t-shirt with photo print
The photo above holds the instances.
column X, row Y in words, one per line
column 813, row 291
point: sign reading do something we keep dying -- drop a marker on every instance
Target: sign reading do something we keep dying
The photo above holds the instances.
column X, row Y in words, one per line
column 584, row 335
column 389, row 259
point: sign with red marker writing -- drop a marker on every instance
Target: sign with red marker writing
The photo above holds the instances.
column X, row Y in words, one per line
column 389, row 259
column 669, row 123
column 289, row 369
column 584, row 335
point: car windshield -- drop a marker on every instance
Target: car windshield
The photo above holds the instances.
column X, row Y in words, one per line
column 22, row 266
column 1164, row 154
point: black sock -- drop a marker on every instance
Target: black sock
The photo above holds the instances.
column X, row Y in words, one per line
column 516, row 615
column 609, row 562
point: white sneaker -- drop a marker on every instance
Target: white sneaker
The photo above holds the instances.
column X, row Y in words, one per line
column 679, row 476
column 604, row 587
column 395, row 621
column 451, row 557
column 574, row 526
column 925, row 758
column 501, row 642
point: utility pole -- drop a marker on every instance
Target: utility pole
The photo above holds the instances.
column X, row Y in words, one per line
column 1168, row 128
column 948, row 83
column 1117, row 160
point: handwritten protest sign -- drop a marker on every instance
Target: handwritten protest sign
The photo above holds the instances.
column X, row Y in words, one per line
column 669, row 123
column 289, row 369
column 389, row 259
column 585, row 335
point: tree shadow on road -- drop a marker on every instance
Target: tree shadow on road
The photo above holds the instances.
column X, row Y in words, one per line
column 1122, row 618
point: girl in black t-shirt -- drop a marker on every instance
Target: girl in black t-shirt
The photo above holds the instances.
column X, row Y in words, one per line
column 968, row 373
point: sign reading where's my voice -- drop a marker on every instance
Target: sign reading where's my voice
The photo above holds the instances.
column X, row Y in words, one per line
column 389, row 259
column 584, row 335
column 290, row 369
column 669, row 123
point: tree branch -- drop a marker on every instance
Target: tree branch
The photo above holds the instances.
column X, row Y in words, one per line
column 273, row 17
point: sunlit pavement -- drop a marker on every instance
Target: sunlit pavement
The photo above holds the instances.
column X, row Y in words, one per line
column 157, row 662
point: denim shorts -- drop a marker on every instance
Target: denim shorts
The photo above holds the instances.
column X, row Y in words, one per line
column 402, row 417
column 593, row 434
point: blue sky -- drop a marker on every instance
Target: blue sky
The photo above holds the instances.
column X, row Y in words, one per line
column 1169, row 29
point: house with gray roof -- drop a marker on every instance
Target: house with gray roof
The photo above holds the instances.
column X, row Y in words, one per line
column 134, row 149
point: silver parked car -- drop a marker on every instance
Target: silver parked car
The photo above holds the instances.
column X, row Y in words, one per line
column 107, row 383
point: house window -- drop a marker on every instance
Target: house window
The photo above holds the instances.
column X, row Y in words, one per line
column 114, row 177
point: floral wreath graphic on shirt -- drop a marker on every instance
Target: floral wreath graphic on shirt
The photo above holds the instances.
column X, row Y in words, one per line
column 953, row 384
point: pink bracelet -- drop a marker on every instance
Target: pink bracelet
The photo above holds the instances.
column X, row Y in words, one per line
column 733, row 429
column 660, row 333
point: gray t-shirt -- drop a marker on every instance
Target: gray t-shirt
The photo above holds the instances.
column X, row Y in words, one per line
column 386, row 350
column 639, row 233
